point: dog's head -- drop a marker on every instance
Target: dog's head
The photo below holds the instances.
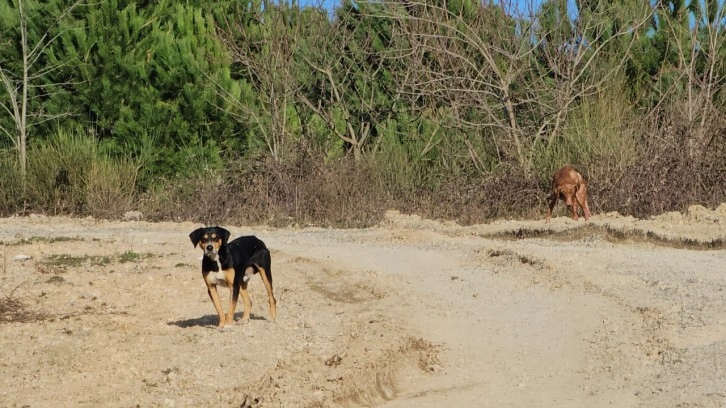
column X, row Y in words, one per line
column 567, row 193
column 210, row 239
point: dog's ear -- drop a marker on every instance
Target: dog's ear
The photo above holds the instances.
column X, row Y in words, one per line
column 224, row 234
column 195, row 236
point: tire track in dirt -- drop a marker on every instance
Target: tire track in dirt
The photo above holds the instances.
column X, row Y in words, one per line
column 503, row 343
column 674, row 299
column 361, row 365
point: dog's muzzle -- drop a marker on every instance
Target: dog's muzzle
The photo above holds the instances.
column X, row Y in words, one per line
column 210, row 253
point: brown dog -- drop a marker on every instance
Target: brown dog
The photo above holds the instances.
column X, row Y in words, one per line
column 568, row 185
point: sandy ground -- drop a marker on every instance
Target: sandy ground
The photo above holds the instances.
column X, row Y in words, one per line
column 614, row 312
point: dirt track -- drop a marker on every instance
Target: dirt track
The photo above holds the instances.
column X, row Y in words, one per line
column 411, row 313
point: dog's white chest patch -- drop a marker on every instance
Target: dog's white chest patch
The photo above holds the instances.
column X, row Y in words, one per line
column 216, row 278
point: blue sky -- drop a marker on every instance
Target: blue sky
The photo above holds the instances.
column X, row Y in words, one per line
column 522, row 5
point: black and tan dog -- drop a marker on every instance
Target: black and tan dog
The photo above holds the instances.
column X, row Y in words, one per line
column 239, row 259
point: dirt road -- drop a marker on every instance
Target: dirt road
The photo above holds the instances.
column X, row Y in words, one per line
column 411, row 313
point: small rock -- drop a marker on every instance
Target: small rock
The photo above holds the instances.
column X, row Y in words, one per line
column 21, row 258
column 319, row 396
column 333, row 361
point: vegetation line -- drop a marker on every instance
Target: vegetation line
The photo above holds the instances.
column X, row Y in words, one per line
column 276, row 112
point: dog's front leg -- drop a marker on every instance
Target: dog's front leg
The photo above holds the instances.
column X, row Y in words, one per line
column 573, row 208
column 233, row 294
column 212, row 291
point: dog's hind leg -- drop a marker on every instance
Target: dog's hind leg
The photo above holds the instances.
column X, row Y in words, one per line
column 581, row 198
column 270, row 296
column 247, row 302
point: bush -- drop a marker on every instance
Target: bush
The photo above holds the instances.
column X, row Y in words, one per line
column 110, row 187
column 67, row 174
column 11, row 186
column 56, row 178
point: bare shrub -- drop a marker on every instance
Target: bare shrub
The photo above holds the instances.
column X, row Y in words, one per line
column 509, row 192
column 196, row 199
column 307, row 191
column 666, row 177
column 14, row 308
